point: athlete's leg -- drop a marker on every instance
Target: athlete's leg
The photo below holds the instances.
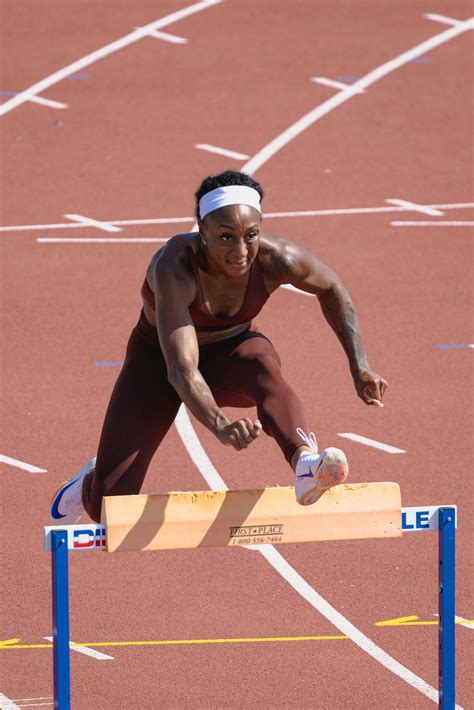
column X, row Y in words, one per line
column 246, row 371
column 249, row 372
column 141, row 410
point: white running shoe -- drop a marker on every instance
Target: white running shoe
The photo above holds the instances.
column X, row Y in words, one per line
column 66, row 503
column 315, row 472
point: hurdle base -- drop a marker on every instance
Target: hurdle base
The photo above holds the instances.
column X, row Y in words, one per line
column 183, row 520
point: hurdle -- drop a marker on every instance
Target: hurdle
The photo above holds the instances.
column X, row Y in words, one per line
column 245, row 518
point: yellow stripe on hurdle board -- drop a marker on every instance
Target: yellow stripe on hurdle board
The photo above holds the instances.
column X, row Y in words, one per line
column 181, row 520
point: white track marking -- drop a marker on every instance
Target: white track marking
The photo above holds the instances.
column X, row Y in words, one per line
column 464, row 622
column 468, row 623
column 432, row 224
column 272, row 556
column 103, row 52
column 173, row 39
column 372, row 442
column 89, row 222
column 325, row 108
column 27, row 700
column 415, row 207
column 335, row 84
column 442, row 18
column 21, row 464
column 289, row 287
column 221, row 151
column 278, row 562
column 34, row 705
column 267, row 215
column 100, row 240
column 6, row 703
column 47, row 102
column 86, row 651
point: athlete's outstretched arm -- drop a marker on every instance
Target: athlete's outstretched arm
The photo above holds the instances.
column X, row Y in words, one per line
column 173, row 295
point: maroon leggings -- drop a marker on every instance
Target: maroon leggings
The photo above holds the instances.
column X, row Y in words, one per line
column 242, row 371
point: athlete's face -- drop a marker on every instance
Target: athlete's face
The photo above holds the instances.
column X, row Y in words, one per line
column 230, row 238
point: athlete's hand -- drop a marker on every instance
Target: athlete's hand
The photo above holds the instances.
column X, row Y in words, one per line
column 240, row 433
column 369, row 385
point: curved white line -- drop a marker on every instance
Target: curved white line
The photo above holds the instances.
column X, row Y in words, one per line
column 86, row 61
column 189, row 436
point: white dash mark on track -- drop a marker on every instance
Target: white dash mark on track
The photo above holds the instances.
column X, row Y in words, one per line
column 89, row 222
column 443, row 19
column 221, row 151
column 99, row 240
column 166, row 37
column 336, row 84
column 20, row 464
column 372, row 442
column 86, row 651
column 47, row 102
column 432, row 224
column 415, row 207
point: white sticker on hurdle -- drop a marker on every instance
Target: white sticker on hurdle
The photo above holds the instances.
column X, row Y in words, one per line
column 423, row 518
column 79, row 537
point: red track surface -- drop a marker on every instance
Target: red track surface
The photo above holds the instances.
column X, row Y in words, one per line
column 124, row 149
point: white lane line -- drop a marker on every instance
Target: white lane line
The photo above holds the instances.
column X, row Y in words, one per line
column 89, row 222
column 103, row 52
column 277, row 561
column 465, row 622
column 185, row 428
column 267, row 215
column 338, row 99
column 432, row 224
column 221, row 151
column 21, row 464
column 372, row 442
column 100, row 240
column 47, row 102
column 35, row 705
column 442, row 18
column 335, row 84
column 6, row 703
column 86, row 651
column 413, row 206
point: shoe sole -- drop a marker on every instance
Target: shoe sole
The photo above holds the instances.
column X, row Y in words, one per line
column 335, row 471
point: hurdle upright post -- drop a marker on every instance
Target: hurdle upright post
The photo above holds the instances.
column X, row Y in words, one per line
column 60, row 580
column 446, row 607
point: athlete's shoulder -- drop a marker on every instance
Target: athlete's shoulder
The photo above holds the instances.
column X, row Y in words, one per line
column 279, row 256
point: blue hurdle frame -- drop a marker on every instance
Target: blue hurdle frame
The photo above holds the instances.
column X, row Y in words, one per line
column 446, row 611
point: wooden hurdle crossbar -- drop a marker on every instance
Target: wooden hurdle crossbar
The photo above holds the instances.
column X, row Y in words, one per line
column 185, row 520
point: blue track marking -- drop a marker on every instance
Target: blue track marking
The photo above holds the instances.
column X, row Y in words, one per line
column 453, row 346
column 420, row 60
column 9, row 93
column 79, row 75
column 111, row 363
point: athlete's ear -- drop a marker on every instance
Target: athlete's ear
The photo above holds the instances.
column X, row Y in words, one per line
column 202, row 232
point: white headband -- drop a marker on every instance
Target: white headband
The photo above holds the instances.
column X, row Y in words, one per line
column 229, row 195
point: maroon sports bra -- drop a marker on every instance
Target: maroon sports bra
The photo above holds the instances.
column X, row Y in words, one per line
column 255, row 297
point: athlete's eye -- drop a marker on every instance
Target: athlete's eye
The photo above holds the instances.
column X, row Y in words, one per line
column 252, row 236
column 226, row 237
